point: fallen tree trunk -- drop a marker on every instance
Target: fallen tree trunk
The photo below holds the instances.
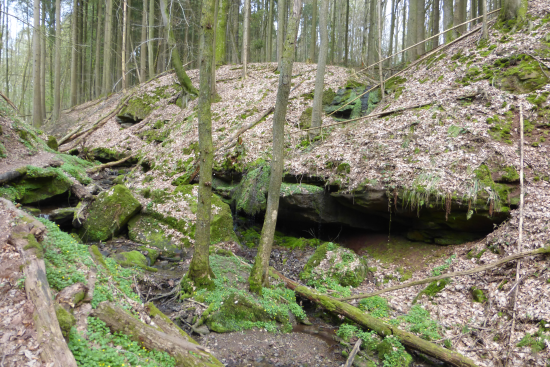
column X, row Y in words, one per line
column 543, row 250
column 233, row 140
column 10, row 176
column 408, row 339
column 185, row 352
column 107, row 165
column 80, row 192
column 26, row 237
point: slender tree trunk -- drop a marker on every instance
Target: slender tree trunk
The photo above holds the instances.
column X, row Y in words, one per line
column 380, row 29
column 281, row 6
column 246, row 31
column 460, row 16
column 150, row 43
column 484, row 33
column 42, row 63
column 316, row 119
column 346, row 45
column 448, row 18
column 123, row 54
column 313, row 33
column 57, row 88
column 143, row 45
column 216, row 25
column 259, row 275
column 371, row 51
column 392, row 27
column 480, row 9
column 420, row 29
column 36, row 112
column 183, row 78
column 97, row 70
column 107, row 48
column 235, row 31
column 513, row 9
column 199, row 270
column 435, row 23
column 221, row 28
column 411, row 30
column 269, row 46
column 365, row 34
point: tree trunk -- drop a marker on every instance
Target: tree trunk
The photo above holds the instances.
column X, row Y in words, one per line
column 151, row 43
column 97, row 70
column 269, row 45
column 281, row 6
column 221, row 29
column 123, row 54
column 184, row 349
column 316, row 119
column 448, row 18
column 74, row 54
column 371, row 51
column 57, row 88
column 314, row 33
column 365, row 34
column 246, row 31
column 346, row 35
column 235, row 31
column 413, row 23
column 484, row 33
column 143, row 45
column 107, row 48
column 513, row 9
column 333, row 34
column 435, row 23
column 420, row 29
column 259, row 275
column 380, row 30
column 183, row 78
column 392, row 28
column 42, row 64
column 36, row 113
column 199, row 272
column 460, row 16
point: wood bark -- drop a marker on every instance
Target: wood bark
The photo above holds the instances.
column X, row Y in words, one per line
column 371, row 50
column 80, row 192
column 235, row 31
column 269, row 45
column 97, row 69
column 484, row 33
column 246, row 31
column 448, row 19
column 316, row 113
column 280, row 29
column 381, row 328
column 143, row 45
column 259, row 274
column 435, row 24
column 392, row 27
column 123, row 53
column 42, row 63
column 110, row 164
column 150, row 42
column 74, row 55
column 199, row 269
column 313, row 32
column 185, row 351
column 57, row 87
column 36, row 112
column 540, row 251
column 54, row 350
column 420, row 29
column 221, row 30
column 106, row 85
column 380, row 30
column 460, row 16
column 346, row 35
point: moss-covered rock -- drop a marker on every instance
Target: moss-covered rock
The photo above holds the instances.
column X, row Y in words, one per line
column 52, row 143
column 133, row 258
column 140, row 106
column 305, row 118
column 152, row 254
column 109, row 213
column 339, row 263
column 392, row 350
column 38, row 184
column 250, row 195
column 433, row 288
column 65, row 319
column 62, row 215
column 147, row 230
column 478, row 295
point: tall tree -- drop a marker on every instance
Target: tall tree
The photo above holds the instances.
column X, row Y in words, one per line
column 316, row 120
column 259, row 275
column 346, row 44
column 420, row 29
column 371, row 50
column 221, row 30
column 123, row 53
column 74, row 55
column 97, row 75
column 313, row 32
column 280, row 29
column 200, row 275
column 107, row 48
column 57, row 87
column 460, row 16
column 269, row 43
column 435, row 23
column 448, row 19
column 150, row 42
column 246, row 36
column 484, row 33
column 514, row 9
column 36, row 112
column 392, row 27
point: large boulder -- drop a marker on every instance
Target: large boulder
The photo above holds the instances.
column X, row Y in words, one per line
column 339, row 263
column 143, row 228
column 37, row 184
column 110, row 212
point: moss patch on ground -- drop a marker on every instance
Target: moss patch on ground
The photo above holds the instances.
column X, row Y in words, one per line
column 133, row 258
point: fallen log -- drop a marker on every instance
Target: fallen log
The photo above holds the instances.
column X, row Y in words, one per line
column 233, row 140
column 381, row 328
column 10, row 176
column 80, row 192
column 26, row 238
column 110, row 164
column 539, row 251
column 185, row 352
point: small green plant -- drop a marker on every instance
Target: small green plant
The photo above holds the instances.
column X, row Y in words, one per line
column 421, row 323
column 437, row 271
column 376, row 306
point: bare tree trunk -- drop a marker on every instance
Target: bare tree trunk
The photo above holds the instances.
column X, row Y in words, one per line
column 42, row 64
column 380, row 29
column 36, row 113
column 143, row 46
column 280, row 29
column 346, row 44
column 448, row 18
column 57, row 88
column 246, row 31
column 313, row 33
column 420, row 29
column 221, row 28
column 371, row 51
column 97, row 73
column 392, row 27
column 150, row 43
column 199, row 272
column 123, row 55
column 107, row 48
column 412, row 53
column 269, row 48
column 74, row 55
column 460, row 16
column 435, row 23
column 365, row 34
column 513, row 9
column 235, row 31
column 316, row 119
column 404, row 32
column 484, row 33
column 259, row 276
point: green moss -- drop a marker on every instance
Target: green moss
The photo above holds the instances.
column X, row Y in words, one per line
column 151, row 253
column 478, row 295
column 141, row 105
column 343, row 168
column 305, row 118
column 65, row 319
column 250, row 196
column 143, row 228
column 511, row 175
column 109, row 213
column 154, row 311
column 392, row 353
column 328, row 96
column 33, row 243
column 433, row 288
column 377, row 306
column 133, row 258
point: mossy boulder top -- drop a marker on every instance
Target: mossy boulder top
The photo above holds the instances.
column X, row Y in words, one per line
column 109, row 213
column 339, row 263
column 169, row 219
column 39, row 184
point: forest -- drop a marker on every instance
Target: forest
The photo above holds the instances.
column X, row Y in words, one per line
column 274, row 183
